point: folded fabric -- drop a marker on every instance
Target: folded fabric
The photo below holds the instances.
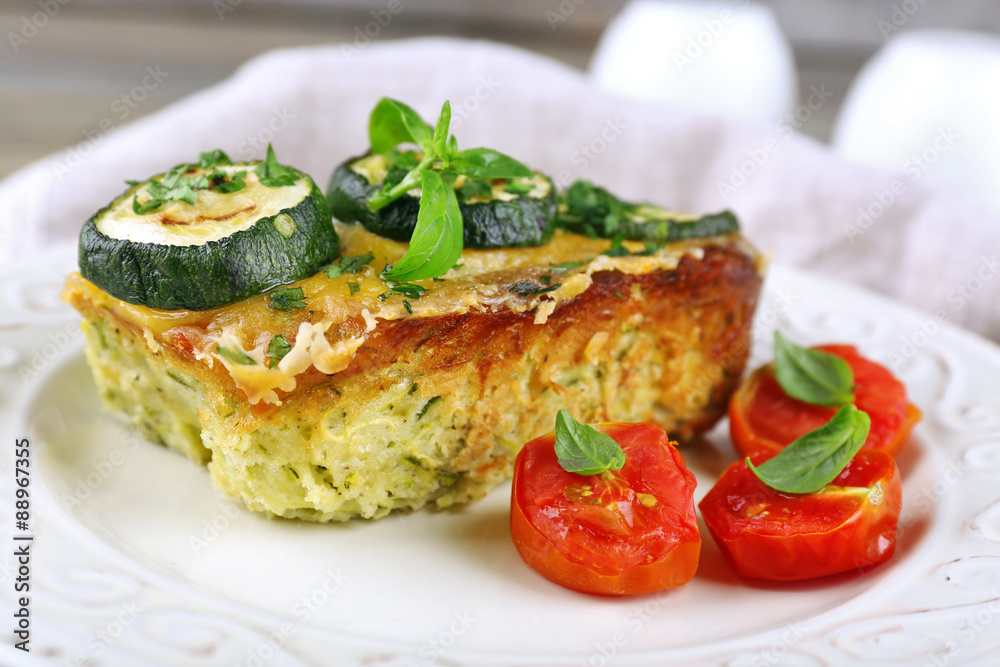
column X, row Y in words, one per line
column 887, row 231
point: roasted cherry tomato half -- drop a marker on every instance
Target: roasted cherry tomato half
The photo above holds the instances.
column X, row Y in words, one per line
column 766, row 534
column 763, row 418
column 617, row 533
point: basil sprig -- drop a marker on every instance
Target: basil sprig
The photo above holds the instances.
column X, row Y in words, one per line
column 814, row 460
column 436, row 243
column 813, row 376
column 585, row 450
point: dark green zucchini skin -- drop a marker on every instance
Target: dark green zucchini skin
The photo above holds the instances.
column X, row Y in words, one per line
column 588, row 209
column 668, row 231
column 524, row 221
column 217, row 273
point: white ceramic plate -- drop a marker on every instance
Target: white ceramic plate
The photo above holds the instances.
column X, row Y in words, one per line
column 138, row 561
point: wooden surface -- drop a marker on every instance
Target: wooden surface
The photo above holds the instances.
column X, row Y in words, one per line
column 58, row 84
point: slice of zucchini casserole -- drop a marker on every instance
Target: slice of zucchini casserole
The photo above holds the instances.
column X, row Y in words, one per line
column 238, row 325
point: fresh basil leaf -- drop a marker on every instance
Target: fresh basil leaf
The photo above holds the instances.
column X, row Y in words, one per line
column 436, row 243
column 287, row 299
column 278, row 347
column 585, row 450
column 272, row 174
column 487, row 163
column 814, row 460
column 813, row 376
column 440, row 141
column 354, row 287
column 235, row 356
column 212, row 158
column 405, row 160
column 393, row 123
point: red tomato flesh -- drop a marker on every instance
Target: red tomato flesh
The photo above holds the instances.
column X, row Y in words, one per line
column 618, row 533
column 763, row 418
column 766, row 534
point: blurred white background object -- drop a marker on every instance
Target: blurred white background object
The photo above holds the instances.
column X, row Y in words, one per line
column 723, row 58
column 928, row 105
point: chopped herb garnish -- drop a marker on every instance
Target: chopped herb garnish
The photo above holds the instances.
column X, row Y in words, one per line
column 528, row 288
column 545, row 279
column 404, row 289
column 354, row 287
column 213, row 158
column 620, row 295
column 617, row 248
column 350, row 264
column 287, row 299
column 409, row 308
column 236, row 356
column 227, row 183
column 272, row 174
column 566, row 266
column 176, row 185
column 277, row 349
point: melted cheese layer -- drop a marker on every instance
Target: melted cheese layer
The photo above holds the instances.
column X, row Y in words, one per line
column 342, row 311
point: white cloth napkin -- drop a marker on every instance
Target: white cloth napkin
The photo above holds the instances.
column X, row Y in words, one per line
column 795, row 199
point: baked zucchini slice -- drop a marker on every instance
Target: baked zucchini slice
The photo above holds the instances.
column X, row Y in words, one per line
column 209, row 234
column 585, row 208
column 497, row 213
